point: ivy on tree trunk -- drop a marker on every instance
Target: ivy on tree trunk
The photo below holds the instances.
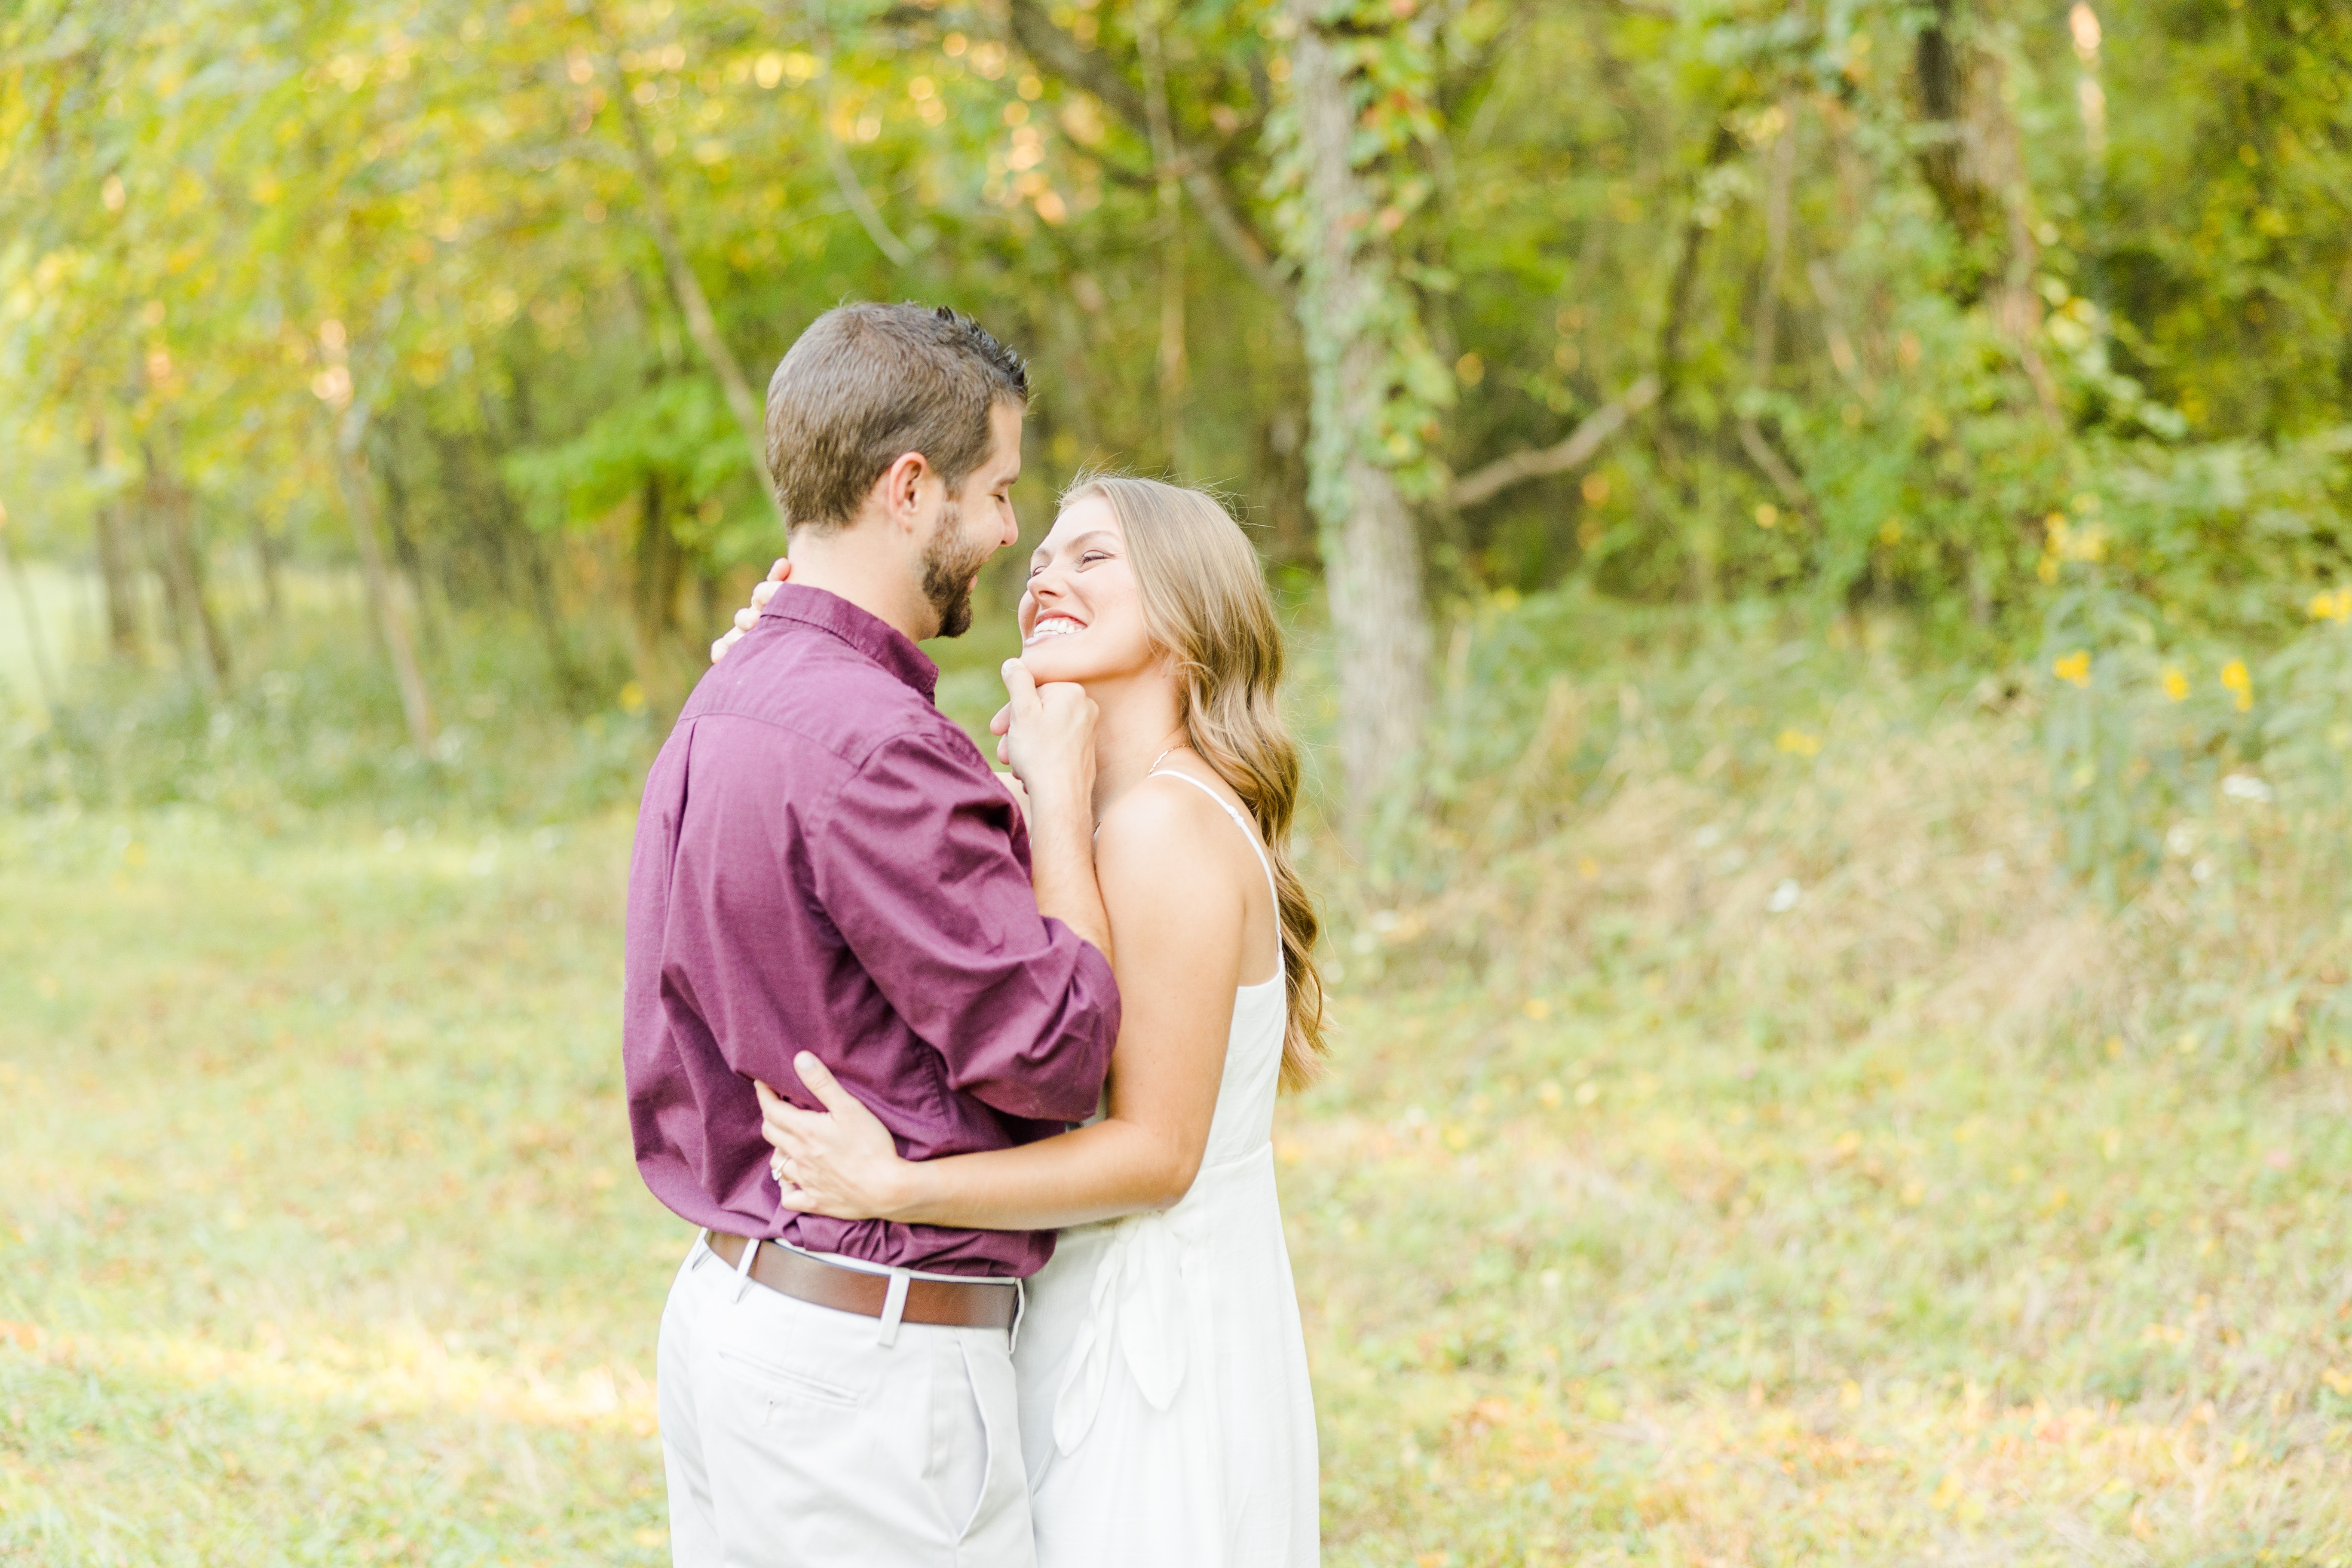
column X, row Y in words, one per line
column 1361, row 84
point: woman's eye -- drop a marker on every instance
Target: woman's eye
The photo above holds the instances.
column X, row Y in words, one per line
column 1092, row 556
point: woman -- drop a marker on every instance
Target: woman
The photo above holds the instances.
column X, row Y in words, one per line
column 1165, row 1412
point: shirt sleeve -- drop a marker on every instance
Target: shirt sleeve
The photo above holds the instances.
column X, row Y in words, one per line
column 917, row 869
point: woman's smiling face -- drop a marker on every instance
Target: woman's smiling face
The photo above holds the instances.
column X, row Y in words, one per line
column 1082, row 610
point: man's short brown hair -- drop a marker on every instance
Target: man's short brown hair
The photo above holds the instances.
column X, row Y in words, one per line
column 866, row 383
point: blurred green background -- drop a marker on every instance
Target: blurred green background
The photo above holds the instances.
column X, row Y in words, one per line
column 1816, row 543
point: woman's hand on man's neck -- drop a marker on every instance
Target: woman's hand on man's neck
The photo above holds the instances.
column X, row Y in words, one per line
column 858, row 570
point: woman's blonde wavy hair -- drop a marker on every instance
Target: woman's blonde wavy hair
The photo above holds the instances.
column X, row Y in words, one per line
column 1206, row 606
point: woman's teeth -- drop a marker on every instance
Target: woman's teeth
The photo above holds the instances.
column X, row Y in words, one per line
column 1052, row 626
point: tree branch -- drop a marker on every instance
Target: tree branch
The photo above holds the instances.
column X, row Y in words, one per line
column 1586, row 438
column 837, row 157
column 1056, row 52
column 1768, row 310
column 853, row 191
column 687, row 289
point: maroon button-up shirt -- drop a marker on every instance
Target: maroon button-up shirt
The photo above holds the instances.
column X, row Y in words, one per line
column 823, row 862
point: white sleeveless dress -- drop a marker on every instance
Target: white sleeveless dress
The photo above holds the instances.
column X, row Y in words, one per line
column 1165, row 1411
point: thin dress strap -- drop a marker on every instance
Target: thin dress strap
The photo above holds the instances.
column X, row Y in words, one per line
column 1248, row 832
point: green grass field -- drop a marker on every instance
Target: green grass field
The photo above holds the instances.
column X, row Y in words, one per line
column 319, row 1243
column 1744, row 1144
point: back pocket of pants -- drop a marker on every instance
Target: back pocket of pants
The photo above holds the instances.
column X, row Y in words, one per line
column 790, row 1385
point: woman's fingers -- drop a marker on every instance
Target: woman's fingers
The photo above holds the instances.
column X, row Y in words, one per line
column 745, row 619
column 827, row 1088
column 782, row 1122
column 801, row 1201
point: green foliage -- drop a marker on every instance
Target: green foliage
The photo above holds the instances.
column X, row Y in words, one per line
column 2145, row 732
column 677, row 434
column 220, row 218
column 2234, row 537
column 317, row 727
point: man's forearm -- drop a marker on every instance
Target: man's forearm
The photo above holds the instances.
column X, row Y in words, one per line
column 1061, row 864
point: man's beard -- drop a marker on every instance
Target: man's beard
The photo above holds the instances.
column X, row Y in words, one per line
column 948, row 567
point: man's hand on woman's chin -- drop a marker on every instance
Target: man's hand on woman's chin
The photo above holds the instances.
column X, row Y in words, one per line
column 778, row 574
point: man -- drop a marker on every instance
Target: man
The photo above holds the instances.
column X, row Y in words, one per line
column 825, row 862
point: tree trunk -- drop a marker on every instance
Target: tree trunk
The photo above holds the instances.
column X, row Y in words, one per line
column 1976, row 168
column 1173, row 369
column 659, row 567
column 1371, row 551
column 1765, row 350
column 1672, row 440
column 264, row 557
column 44, row 679
column 151, row 538
column 570, row 678
column 383, row 614
column 115, row 572
column 658, row 572
column 184, row 573
column 407, row 560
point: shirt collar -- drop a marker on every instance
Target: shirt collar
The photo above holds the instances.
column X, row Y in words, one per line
column 868, row 634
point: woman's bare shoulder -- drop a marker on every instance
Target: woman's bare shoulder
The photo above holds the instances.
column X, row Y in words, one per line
column 1164, row 826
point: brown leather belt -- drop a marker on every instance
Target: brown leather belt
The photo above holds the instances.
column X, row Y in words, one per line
column 981, row 1304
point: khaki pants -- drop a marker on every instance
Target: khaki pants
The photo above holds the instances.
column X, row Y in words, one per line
column 794, row 1437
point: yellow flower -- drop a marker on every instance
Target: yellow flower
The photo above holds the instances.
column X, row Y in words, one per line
column 1798, row 744
column 2176, row 685
column 2335, row 606
column 2064, row 541
column 2076, row 667
column 2234, row 675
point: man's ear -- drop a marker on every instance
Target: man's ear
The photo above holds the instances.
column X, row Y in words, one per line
column 902, row 487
